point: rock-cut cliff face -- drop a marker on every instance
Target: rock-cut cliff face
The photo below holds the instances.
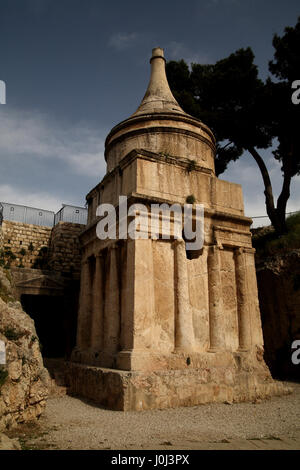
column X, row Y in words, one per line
column 23, row 380
column 278, row 278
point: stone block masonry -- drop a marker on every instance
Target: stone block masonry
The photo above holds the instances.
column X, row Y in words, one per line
column 64, row 248
column 24, row 245
column 157, row 327
column 38, row 247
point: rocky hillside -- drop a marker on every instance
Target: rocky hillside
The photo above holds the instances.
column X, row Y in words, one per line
column 278, row 277
column 23, row 380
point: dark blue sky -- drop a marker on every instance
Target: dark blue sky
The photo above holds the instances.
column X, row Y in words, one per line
column 75, row 68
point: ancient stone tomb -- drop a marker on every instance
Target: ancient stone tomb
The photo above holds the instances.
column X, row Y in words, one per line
column 159, row 326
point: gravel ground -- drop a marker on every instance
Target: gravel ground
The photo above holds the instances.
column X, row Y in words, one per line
column 73, row 423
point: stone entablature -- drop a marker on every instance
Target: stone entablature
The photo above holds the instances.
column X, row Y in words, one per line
column 37, row 282
column 166, row 179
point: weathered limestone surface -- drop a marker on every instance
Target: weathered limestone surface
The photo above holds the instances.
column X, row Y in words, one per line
column 8, row 444
column 278, row 279
column 30, row 238
column 162, row 326
column 64, row 248
column 35, row 246
column 138, row 390
column 24, row 380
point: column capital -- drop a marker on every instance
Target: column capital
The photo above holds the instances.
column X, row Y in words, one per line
column 179, row 241
column 239, row 250
column 212, row 249
column 249, row 249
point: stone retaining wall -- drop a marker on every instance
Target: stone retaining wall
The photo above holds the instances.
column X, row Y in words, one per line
column 64, row 249
column 38, row 247
column 25, row 245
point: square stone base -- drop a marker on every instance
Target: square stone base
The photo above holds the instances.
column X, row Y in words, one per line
column 135, row 390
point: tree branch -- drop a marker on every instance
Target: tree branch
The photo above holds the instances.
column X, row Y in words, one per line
column 285, row 191
column 267, row 183
column 222, row 148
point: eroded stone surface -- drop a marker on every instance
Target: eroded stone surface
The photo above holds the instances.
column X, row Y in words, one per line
column 279, row 283
column 171, row 328
column 24, row 384
column 8, row 444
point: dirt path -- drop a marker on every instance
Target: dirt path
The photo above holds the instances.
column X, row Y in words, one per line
column 72, row 423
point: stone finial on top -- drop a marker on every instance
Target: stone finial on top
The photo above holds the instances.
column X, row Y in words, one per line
column 158, row 97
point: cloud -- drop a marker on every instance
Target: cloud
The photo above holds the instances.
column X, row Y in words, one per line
column 176, row 50
column 39, row 199
column 32, row 134
column 121, row 41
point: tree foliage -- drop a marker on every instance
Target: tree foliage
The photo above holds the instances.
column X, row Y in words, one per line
column 246, row 113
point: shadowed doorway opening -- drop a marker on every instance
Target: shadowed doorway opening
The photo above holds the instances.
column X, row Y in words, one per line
column 54, row 322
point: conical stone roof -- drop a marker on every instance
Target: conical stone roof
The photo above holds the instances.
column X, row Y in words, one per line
column 158, row 97
column 160, row 126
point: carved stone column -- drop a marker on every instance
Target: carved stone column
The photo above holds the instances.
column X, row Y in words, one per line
column 112, row 305
column 98, row 305
column 138, row 306
column 216, row 320
column 84, row 321
column 242, row 300
column 184, row 330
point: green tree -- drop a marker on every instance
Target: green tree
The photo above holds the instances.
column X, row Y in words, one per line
column 286, row 115
column 246, row 113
